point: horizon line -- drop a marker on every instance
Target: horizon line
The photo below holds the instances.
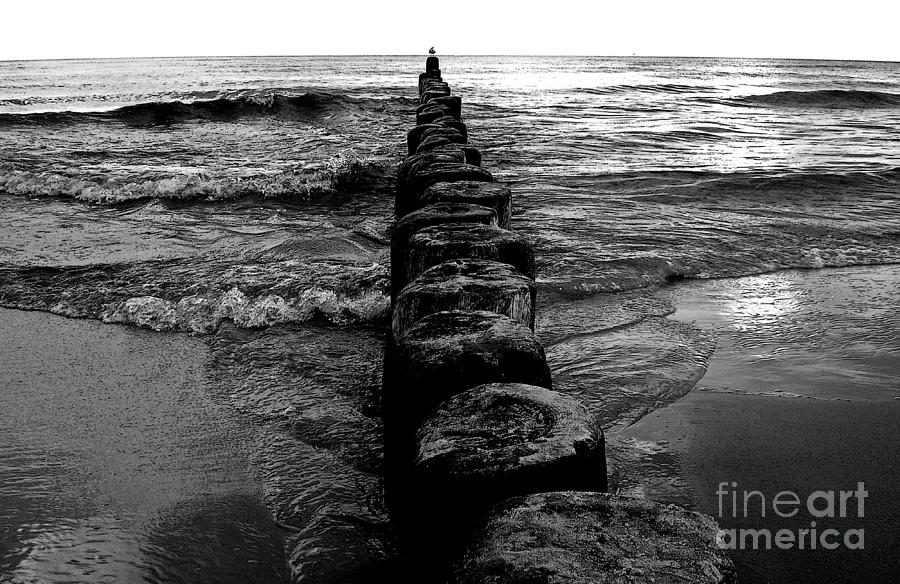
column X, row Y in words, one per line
column 347, row 55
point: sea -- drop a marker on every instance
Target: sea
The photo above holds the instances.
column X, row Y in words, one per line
column 194, row 288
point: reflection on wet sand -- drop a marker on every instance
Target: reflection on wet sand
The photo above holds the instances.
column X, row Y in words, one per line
column 115, row 464
column 799, row 396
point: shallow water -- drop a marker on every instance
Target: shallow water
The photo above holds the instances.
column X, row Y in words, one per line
column 836, row 331
column 799, row 396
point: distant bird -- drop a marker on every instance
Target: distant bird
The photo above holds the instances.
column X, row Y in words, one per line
column 431, row 51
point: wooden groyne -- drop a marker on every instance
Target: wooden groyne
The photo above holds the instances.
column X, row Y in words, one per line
column 491, row 475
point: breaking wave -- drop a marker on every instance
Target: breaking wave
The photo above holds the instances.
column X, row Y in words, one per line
column 347, row 170
column 171, row 296
column 824, row 98
column 288, row 104
column 204, row 314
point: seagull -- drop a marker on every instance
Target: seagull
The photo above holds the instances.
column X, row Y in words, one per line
column 431, row 51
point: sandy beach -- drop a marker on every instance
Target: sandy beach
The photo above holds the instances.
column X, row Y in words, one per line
column 795, row 402
column 115, row 464
column 772, row 444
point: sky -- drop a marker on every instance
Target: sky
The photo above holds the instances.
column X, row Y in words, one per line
column 43, row 29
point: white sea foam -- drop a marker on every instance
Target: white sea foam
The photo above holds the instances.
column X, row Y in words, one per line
column 204, row 314
column 346, row 168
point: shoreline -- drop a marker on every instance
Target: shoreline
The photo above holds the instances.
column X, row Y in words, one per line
column 649, row 427
column 831, row 431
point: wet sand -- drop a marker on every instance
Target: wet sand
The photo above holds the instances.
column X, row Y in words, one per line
column 771, row 444
column 800, row 396
column 115, row 464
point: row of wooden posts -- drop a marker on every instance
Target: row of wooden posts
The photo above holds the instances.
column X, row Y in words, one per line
column 491, row 475
column 470, row 415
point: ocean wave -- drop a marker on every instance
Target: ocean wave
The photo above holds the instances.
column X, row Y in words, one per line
column 640, row 273
column 663, row 88
column 823, row 98
column 661, row 227
column 170, row 295
column 666, row 138
column 204, row 314
column 678, row 184
column 345, row 171
column 289, row 104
